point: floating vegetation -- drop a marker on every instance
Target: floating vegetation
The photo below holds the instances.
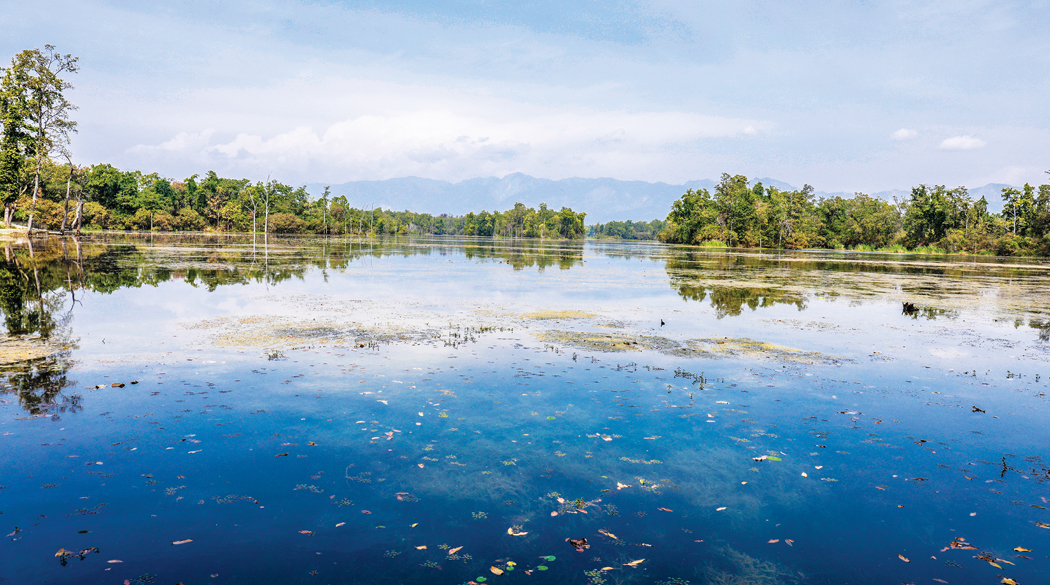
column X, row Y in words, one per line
column 14, row 349
column 548, row 315
column 642, row 461
column 63, row 554
column 743, row 347
column 479, row 515
column 607, row 342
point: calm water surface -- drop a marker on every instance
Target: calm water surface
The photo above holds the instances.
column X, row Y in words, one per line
column 216, row 411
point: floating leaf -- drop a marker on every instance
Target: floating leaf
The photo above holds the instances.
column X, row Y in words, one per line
column 1042, row 525
column 621, row 486
column 607, row 533
column 453, row 551
column 340, row 524
column 549, row 558
column 542, row 568
column 720, row 509
column 305, row 532
column 496, row 570
column 634, row 563
column 773, row 541
column 423, row 547
column 513, row 532
column 1022, row 549
column 1008, row 581
column 903, row 558
column 114, row 561
column 481, row 579
column 183, row 541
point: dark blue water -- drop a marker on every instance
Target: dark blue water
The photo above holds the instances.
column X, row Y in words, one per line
column 342, row 463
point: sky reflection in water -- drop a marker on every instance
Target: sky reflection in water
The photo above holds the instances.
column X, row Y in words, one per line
column 317, row 412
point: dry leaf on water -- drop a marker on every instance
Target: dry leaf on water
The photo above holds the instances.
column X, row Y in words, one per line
column 903, row 558
column 454, row 550
column 496, row 570
column 183, row 541
column 634, row 563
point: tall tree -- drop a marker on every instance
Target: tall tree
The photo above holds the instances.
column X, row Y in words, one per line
column 14, row 142
column 37, row 76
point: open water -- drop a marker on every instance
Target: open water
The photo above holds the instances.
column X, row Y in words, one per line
column 334, row 411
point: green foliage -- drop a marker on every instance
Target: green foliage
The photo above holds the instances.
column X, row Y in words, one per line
column 933, row 220
column 627, row 230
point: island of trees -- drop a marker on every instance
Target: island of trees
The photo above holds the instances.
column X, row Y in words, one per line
column 931, row 219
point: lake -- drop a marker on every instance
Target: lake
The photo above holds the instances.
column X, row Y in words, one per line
column 216, row 410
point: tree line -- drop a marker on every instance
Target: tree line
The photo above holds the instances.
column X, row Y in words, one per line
column 104, row 197
column 40, row 184
column 627, row 230
column 931, row 218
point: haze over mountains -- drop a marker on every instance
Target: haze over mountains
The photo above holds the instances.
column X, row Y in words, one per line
column 602, row 199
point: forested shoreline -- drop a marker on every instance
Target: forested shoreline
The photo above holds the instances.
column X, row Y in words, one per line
column 932, row 219
column 104, row 197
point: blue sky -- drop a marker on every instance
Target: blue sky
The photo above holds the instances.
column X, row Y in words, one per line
column 846, row 96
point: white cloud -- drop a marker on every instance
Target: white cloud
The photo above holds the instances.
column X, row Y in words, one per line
column 964, row 142
column 904, row 134
column 391, row 130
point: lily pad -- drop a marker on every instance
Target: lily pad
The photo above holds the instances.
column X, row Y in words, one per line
column 549, row 558
column 541, row 568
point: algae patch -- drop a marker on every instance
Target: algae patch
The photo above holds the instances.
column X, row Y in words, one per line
column 20, row 349
column 725, row 347
column 743, row 347
column 601, row 341
column 558, row 315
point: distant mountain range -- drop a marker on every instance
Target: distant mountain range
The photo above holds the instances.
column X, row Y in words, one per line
column 602, row 199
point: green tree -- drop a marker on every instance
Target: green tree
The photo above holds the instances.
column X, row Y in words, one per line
column 15, row 142
column 36, row 80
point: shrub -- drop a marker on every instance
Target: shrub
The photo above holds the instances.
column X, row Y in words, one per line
column 286, row 223
column 188, row 220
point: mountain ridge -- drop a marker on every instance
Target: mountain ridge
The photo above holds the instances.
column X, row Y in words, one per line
column 603, row 199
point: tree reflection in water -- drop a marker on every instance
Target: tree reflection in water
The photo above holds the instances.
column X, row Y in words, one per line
column 36, row 348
